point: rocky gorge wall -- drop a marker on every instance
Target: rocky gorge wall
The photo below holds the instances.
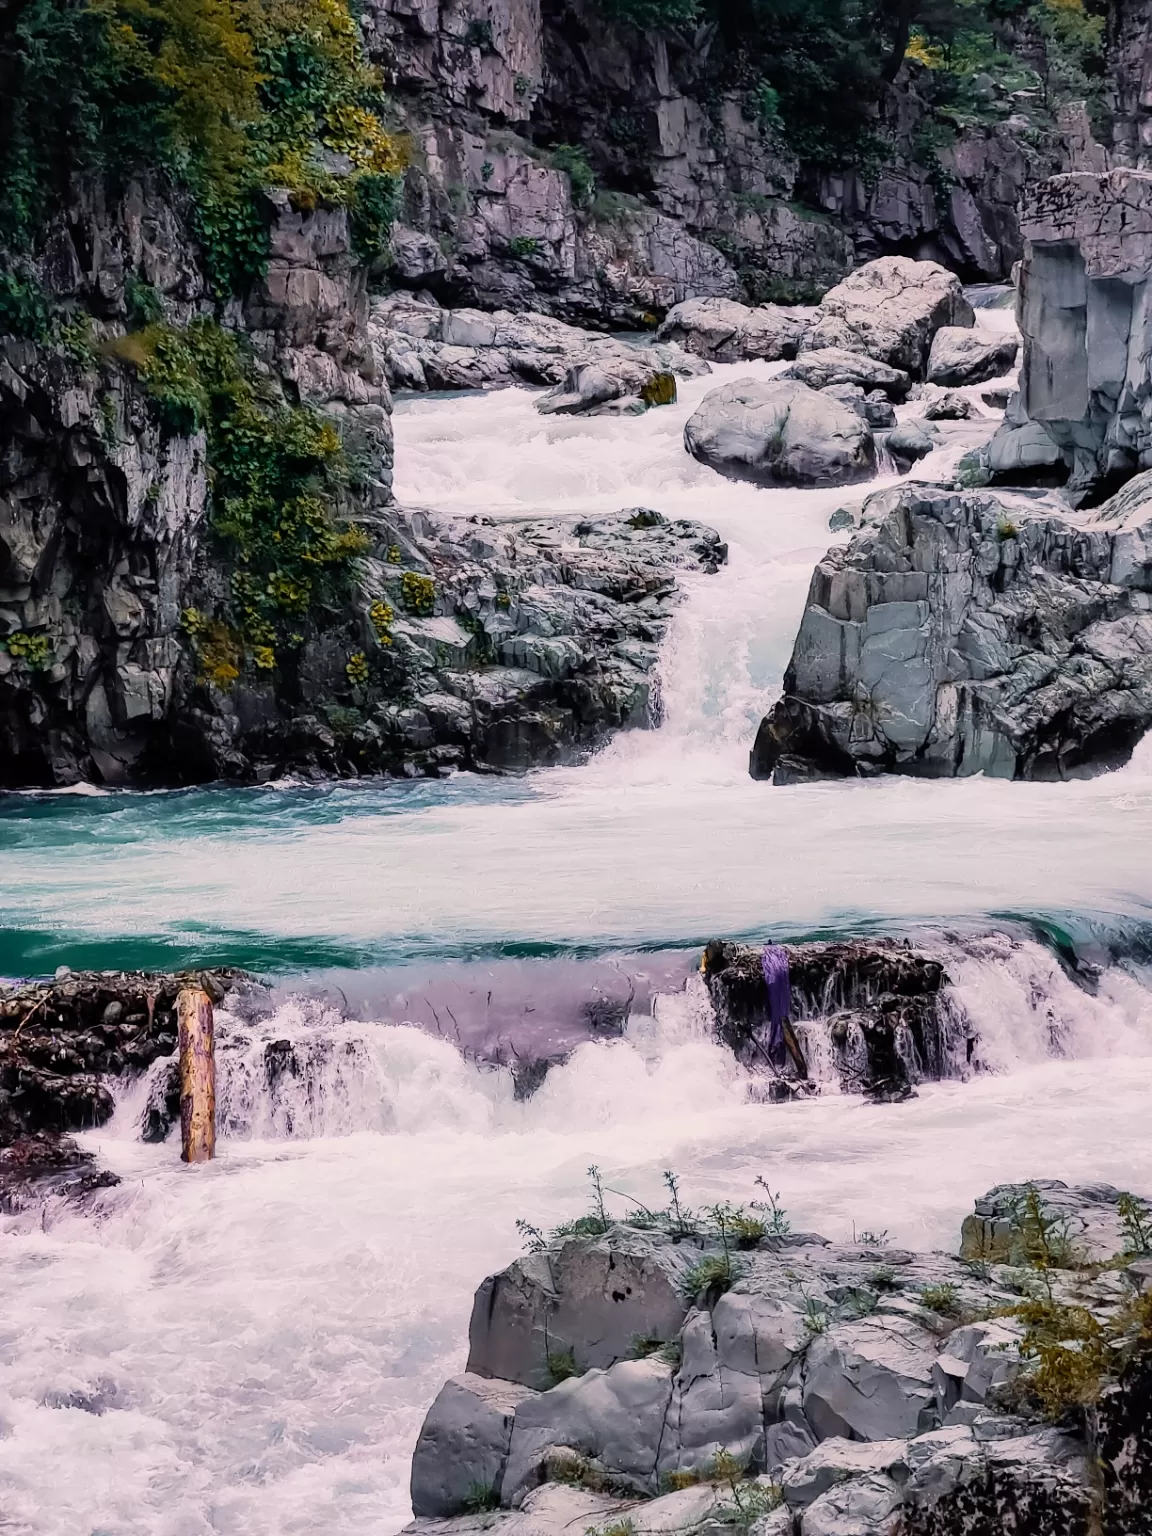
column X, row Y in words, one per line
column 695, row 197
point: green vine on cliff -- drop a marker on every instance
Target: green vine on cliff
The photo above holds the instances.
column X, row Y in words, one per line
column 226, row 97
column 277, row 473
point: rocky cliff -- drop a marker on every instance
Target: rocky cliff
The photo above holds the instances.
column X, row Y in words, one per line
column 602, row 172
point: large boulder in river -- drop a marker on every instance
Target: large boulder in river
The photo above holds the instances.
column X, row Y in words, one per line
column 780, row 432
column 726, row 332
column 830, row 367
column 956, row 639
column 612, row 386
column 891, row 309
column 961, row 356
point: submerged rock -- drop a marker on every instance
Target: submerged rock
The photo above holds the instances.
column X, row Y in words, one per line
column 956, row 639
column 780, row 433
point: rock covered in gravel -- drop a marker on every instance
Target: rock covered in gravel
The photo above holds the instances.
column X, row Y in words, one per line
column 780, row 432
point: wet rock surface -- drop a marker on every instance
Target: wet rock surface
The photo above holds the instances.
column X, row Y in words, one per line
column 780, row 432
column 891, row 310
column 816, row 1387
column 60, row 1040
column 959, row 637
column 880, row 1005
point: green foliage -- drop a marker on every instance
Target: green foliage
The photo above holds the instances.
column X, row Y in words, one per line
column 418, row 593
column 562, row 1366
column 358, row 670
column 372, row 211
column 573, row 160
column 381, row 615
column 1136, row 1223
column 36, row 651
column 481, row 1499
column 748, row 1501
column 23, row 306
column 523, row 245
column 145, row 304
column 651, row 14
column 943, row 1299
column 277, row 471
column 225, row 96
column 623, row 1527
column 710, row 1276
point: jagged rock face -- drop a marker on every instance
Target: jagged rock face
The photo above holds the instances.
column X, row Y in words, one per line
column 1130, row 70
column 60, row 1040
column 488, row 219
column 726, row 332
column 1082, row 312
column 955, row 639
column 960, row 356
column 843, row 1381
column 890, row 310
column 104, row 535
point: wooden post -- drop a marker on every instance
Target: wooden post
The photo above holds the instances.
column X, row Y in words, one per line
column 197, row 1076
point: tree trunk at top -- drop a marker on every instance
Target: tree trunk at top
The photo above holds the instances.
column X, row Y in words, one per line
column 197, row 1076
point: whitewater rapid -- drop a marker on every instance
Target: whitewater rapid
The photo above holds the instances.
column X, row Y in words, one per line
column 248, row 1348
column 661, row 839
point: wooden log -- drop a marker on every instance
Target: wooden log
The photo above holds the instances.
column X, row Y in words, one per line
column 197, row 1075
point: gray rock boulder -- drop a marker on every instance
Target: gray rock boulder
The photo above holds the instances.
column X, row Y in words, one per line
column 957, row 639
column 908, row 442
column 871, row 1380
column 780, row 433
column 589, row 1301
column 836, row 1461
column 726, row 332
column 867, row 1506
column 463, row 1445
column 830, row 366
column 960, row 356
column 891, row 310
column 949, row 406
column 611, row 386
column 1086, row 1221
column 875, row 409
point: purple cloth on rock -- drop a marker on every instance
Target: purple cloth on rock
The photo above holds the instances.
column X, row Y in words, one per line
column 778, row 982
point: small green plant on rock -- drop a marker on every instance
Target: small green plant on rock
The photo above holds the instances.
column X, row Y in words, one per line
column 562, row 1366
column 1136, row 1223
column 34, row 650
column 418, row 593
column 381, row 616
column 524, row 245
column 571, row 159
column 481, row 1499
column 943, row 1299
column 776, row 1223
column 624, row 1527
column 750, row 1501
column 358, row 669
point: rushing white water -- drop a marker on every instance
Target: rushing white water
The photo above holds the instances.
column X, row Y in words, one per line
column 662, row 837
column 247, row 1348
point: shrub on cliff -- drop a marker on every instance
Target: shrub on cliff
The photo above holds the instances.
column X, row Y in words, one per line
column 224, row 96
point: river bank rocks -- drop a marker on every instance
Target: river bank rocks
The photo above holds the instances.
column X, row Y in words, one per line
column 724, row 331
column 722, row 1372
column 872, row 1016
column 780, row 432
column 488, row 645
column 423, row 346
column 960, row 638
column 62, row 1042
column 960, row 356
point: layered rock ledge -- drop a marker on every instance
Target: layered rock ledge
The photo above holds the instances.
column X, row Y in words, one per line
column 962, row 637
column 705, row 1373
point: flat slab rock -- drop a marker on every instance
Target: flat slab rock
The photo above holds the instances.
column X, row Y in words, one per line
column 859, row 1386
